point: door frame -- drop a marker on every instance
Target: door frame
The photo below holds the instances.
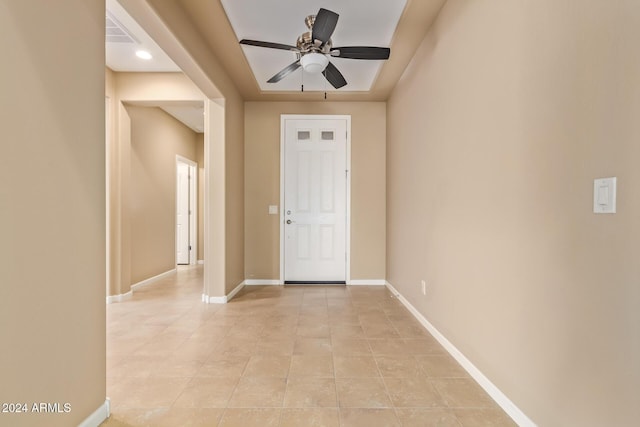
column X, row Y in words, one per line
column 193, row 207
column 283, row 119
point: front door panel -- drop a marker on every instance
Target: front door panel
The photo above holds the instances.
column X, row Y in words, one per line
column 315, row 214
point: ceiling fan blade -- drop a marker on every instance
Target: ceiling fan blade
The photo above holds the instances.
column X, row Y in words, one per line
column 268, row 44
column 282, row 74
column 334, row 76
column 361, row 52
column 324, row 25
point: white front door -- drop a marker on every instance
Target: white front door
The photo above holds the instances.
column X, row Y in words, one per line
column 315, row 200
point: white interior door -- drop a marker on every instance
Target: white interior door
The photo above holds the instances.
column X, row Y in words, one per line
column 182, row 214
column 315, row 201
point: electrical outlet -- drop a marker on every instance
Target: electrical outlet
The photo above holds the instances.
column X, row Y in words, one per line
column 424, row 287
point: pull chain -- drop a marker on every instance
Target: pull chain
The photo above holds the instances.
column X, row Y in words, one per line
column 325, row 84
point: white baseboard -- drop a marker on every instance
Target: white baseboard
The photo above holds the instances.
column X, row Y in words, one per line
column 498, row 396
column 235, row 291
column 98, row 416
column 258, row 282
column 262, row 282
column 150, row 280
column 112, row 299
column 122, row 297
column 372, row 282
column 225, row 299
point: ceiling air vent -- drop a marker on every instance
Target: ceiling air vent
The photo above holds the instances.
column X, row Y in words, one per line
column 116, row 32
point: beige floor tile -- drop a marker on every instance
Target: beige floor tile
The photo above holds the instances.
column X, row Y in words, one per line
column 411, row 331
column 313, row 331
column 398, row 366
column 175, row 367
column 387, row 346
column 268, row 366
column 312, row 320
column 312, row 346
column 420, row 346
column 250, row 418
column 380, row 330
column 243, row 331
column 275, row 346
column 358, row 417
column 159, row 346
column 303, row 365
column 484, row 418
column 402, row 317
column 441, row 366
column 223, row 365
column 311, row 314
column 133, row 366
column 343, row 317
column 236, row 346
column 213, row 392
column 122, row 347
column 146, row 392
column 316, row 417
column 420, row 417
column 372, row 316
column 413, row 392
column 210, row 331
column 310, row 392
column 196, row 350
column 280, row 331
column 184, row 417
column 362, row 393
column 129, row 417
column 347, row 332
column 463, row 393
column 311, row 356
column 338, row 300
column 258, row 392
column 355, row 366
column 351, row 347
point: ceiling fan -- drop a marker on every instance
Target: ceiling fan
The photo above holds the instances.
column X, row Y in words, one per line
column 314, row 48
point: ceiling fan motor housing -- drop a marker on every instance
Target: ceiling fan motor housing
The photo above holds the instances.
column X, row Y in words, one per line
column 306, row 43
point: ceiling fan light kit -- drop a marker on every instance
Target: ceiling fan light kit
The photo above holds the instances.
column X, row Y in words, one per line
column 314, row 62
column 313, row 49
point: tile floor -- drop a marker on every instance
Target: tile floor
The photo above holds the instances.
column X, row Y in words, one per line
column 282, row 356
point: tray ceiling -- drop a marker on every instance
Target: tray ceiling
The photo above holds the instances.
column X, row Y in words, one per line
column 361, row 23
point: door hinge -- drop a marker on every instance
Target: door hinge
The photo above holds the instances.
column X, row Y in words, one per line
column 189, row 247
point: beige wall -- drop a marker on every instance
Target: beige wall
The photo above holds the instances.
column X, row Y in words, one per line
column 262, row 184
column 495, row 134
column 156, row 139
column 200, row 160
column 234, row 192
column 52, row 209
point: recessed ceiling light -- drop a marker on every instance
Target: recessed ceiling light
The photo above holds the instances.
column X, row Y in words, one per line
column 143, row 54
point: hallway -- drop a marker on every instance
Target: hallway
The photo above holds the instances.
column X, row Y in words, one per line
column 282, row 356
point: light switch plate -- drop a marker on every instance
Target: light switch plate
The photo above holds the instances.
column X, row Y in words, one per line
column 604, row 195
column 273, row 209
